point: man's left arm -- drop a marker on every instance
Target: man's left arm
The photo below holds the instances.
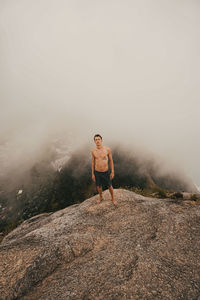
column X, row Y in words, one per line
column 111, row 163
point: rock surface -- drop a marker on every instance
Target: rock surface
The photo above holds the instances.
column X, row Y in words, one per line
column 146, row 248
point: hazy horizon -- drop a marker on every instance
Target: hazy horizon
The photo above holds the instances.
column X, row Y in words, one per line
column 128, row 70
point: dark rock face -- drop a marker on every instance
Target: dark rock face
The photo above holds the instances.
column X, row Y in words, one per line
column 146, row 248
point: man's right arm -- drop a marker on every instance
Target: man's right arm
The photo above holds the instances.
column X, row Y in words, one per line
column 93, row 165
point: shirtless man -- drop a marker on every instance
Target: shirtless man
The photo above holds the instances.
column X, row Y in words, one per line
column 100, row 171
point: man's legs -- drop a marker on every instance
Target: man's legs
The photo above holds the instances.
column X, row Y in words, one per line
column 100, row 194
column 112, row 194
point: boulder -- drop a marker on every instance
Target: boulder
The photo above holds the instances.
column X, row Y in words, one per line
column 145, row 248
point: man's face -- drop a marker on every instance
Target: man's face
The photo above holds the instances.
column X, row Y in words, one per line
column 98, row 141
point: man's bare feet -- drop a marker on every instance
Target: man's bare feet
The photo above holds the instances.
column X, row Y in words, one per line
column 99, row 200
column 114, row 202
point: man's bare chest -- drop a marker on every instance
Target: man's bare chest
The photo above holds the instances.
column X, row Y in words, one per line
column 101, row 154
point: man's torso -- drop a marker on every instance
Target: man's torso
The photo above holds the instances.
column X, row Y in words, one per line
column 101, row 159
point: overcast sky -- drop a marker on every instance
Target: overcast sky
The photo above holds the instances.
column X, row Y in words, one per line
column 128, row 70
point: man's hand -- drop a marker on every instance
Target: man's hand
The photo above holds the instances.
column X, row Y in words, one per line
column 112, row 175
column 93, row 177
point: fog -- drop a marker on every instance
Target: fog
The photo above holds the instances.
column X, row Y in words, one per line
column 128, row 70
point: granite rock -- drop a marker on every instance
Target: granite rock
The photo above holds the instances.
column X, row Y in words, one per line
column 145, row 248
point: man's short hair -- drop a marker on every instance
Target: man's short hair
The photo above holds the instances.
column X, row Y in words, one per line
column 97, row 135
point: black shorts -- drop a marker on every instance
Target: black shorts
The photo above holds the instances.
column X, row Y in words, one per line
column 102, row 178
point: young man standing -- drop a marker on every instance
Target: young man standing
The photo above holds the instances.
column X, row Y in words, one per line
column 100, row 171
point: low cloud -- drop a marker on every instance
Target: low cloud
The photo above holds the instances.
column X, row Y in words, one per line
column 69, row 71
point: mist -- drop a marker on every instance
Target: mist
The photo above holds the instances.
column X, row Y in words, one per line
column 128, row 70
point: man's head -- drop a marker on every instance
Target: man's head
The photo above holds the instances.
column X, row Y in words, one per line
column 98, row 139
